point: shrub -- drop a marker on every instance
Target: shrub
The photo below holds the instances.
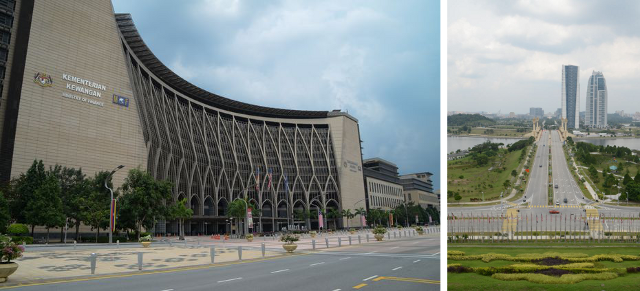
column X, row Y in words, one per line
column 17, row 229
column 551, row 261
column 564, row 279
column 456, row 268
column 633, row 269
column 22, row 239
column 145, row 238
column 379, row 230
column 553, row 272
column 249, row 236
column 455, row 253
column 9, row 250
column 289, row 238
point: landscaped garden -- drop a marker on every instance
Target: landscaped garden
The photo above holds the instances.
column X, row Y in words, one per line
column 542, row 268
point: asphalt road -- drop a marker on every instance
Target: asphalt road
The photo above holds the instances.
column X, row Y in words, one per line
column 405, row 264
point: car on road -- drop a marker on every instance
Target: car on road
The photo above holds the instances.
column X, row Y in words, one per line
column 553, row 211
column 556, row 186
column 565, row 200
column 540, row 165
column 557, row 202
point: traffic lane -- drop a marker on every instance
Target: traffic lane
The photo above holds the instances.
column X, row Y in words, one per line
column 416, row 246
column 408, row 276
column 324, row 274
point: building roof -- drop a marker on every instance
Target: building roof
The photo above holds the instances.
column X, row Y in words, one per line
column 151, row 62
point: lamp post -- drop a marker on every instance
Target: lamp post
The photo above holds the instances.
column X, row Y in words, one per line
column 111, row 214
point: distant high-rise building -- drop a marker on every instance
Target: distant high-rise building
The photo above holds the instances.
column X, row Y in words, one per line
column 536, row 112
column 559, row 113
column 512, row 114
column 570, row 95
column 596, row 114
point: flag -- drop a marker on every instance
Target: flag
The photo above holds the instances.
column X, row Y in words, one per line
column 430, row 219
column 320, row 220
column 258, row 179
column 269, row 185
column 113, row 215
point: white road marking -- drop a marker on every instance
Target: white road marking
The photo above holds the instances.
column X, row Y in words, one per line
column 316, row 264
column 394, row 248
column 337, row 289
column 396, row 268
column 370, row 278
column 370, row 253
column 278, row 271
column 167, row 290
column 416, row 261
column 344, row 258
column 239, row 278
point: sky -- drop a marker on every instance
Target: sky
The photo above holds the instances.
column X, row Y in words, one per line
column 508, row 55
column 377, row 60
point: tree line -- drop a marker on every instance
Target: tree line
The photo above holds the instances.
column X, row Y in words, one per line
column 66, row 198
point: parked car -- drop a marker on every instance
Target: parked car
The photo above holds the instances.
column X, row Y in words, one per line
column 557, row 202
column 556, row 186
column 553, row 211
column 565, row 200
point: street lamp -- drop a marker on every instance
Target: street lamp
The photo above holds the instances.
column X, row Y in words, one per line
column 111, row 214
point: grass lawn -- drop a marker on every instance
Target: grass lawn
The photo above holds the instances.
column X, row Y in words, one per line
column 471, row 281
column 478, row 179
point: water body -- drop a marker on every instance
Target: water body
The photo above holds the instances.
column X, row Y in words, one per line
column 632, row 143
column 455, row 143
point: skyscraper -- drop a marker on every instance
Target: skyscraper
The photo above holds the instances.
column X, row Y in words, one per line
column 597, row 98
column 570, row 93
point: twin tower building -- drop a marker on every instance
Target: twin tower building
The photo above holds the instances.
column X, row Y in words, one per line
column 597, row 98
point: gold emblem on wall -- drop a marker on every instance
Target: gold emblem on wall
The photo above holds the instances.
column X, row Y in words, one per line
column 43, row 79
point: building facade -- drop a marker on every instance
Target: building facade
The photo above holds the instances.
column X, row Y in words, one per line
column 384, row 190
column 570, row 95
column 536, row 112
column 597, row 99
column 418, row 188
column 86, row 92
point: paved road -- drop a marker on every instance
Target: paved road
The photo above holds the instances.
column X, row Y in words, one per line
column 405, row 264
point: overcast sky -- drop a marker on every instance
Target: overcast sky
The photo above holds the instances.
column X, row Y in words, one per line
column 378, row 60
column 508, row 55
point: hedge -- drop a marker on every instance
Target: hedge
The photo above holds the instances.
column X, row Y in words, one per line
column 455, row 253
column 575, row 258
column 530, row 268
column 20, row 239
column 564, row 279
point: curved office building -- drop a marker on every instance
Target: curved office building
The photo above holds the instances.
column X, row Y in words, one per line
column 88, row 92
column 597, row 99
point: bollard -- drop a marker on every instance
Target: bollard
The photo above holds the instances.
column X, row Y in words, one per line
column 118, row 244
column 339, row 241
column 74, row 245
column 389, row 235
column 405, row 233
column 263, row 250
column 395, row 234
column 349, row 240
column 198, row 242
column 313, row 244
column 170, row 243
column 93, row 263
column 367, row 235
column 359, row 239
column 140, row 260
column 326, row 240
column 240, row 253
column 212, row 253
column 185, row 243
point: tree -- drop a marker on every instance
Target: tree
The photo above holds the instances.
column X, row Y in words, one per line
column 46, row 207
column 96, row 202
column 25, row 187
column 335, row 214
column 637, row 177
column 514, row 173
column 238, row 208
column 347, row 213
column 593, row 172
column 506, row 184
column 5, row 215
column 180, row 211
column 144, row 199
column 627, row 179
column 457, row 197
column 74, row 191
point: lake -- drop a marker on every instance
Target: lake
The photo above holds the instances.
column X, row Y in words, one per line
column 632, row 143
column 464, row 142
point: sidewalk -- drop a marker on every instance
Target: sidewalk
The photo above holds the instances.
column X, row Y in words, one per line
column 47, row 262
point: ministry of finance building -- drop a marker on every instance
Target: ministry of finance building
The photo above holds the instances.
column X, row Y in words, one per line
column 81, row 89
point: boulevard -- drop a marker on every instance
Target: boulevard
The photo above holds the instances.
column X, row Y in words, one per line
column 579, row 214
column 407, row 263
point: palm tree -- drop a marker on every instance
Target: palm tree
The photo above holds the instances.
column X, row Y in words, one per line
column 347, row 213
column 360, row 211
column 335, row 214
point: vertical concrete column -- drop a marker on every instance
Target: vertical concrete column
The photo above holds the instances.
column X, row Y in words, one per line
column 212, row 253
column 140, row 260
column 93, row 259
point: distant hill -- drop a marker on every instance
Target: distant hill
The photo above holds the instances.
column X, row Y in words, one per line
column 469, row 120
